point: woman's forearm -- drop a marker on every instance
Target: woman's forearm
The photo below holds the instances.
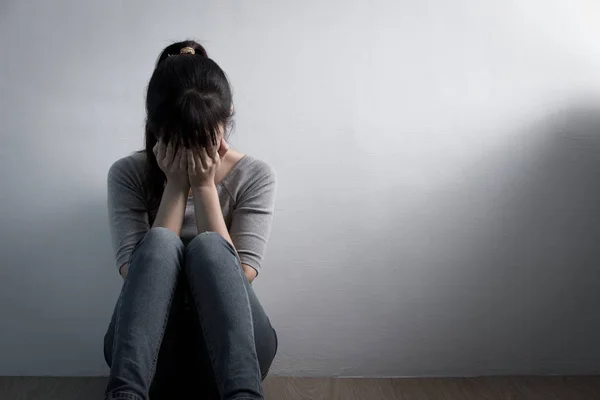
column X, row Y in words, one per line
column 172, row 208
column 209, row 216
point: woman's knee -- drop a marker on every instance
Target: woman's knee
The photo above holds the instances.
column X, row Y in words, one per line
column 209, row 243
column 160, row 244
column 208, row 249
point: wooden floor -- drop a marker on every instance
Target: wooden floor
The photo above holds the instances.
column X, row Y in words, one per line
column 282, row 388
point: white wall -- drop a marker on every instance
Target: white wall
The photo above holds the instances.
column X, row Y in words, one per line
column 438, row 176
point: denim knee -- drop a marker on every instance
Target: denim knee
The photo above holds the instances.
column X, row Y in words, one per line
column 163, row 235
column 160, row 244
column 206, row 241
column 210, row 246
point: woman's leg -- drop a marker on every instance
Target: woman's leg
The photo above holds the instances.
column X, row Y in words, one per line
column 141, row 314
column 231, row 318
column 196, row 372
column 265, row 337
column 168, row 380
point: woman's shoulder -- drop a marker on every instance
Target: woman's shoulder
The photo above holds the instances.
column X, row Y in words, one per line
column 130, row 168
column 249, row 173
column 250, row 169
column 257, row 168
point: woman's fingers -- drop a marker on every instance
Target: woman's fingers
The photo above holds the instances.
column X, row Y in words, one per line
column 160, row 151
column 201, row 166
column 204, row 159
column 173, row 162
column 200, row 160
column 183, row 160
column 191, row 165
column 177, row 158
column 170, row 153
column 213, row 153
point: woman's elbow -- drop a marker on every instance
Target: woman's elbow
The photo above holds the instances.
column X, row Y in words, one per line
column 249, row 272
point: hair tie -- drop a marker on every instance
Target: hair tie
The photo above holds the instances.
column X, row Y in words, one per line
column 187, row 50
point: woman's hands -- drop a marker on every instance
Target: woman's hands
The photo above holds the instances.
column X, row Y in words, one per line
column 174, row 198
column 184, row 167
column 173, row 163
column 202, row 167
column 204, row 163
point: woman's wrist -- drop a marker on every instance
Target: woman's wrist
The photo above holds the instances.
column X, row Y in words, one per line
column 174, row 187
column 172, row 207
column 209, row 216
column 204, row 190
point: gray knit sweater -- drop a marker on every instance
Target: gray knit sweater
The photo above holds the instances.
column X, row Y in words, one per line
column 247, row 196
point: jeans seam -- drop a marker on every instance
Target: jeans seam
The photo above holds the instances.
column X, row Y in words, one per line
column 209, row 347
column 162, row 335
column 123, row 289
column 117, row 317
column 199, row 307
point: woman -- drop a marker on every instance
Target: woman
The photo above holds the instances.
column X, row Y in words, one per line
column 189, row 219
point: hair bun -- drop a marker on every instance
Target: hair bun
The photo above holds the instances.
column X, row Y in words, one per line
column 187, row 50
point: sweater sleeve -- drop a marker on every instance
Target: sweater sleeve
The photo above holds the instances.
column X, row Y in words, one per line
column 252, row 216
column 127, row 209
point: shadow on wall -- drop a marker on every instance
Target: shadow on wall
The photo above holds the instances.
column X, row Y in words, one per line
column 515, row 288
column 58, row 295
column 494, row 271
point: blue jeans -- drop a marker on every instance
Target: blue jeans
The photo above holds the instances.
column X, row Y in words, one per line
column 187, row 324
